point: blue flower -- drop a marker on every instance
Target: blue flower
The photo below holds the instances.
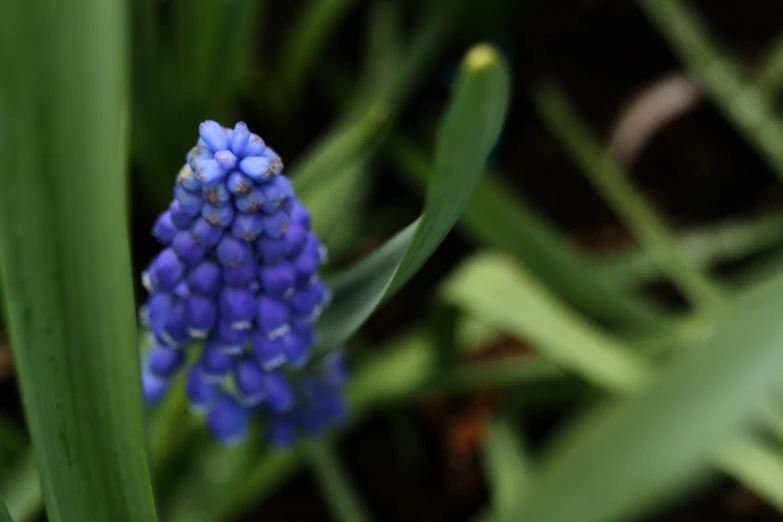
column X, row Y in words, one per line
column 238, row 279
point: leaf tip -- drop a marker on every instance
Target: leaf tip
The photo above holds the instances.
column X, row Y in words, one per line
column 481, row 56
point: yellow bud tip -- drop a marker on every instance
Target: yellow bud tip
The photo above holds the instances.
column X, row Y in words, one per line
column 481, row 56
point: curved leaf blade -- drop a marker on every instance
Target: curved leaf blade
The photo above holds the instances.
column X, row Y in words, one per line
column 65, row 258
column 470, row 127
column 5, row 516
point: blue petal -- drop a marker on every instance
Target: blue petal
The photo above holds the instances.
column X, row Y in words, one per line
column 240, row 275
column 278, row 394
column 227, row 419
column 205, row 233
column 217, row 216
column 212, row 134
column 237, row 306
column 187, row 180
column 230, row 340
column 164, row 361
column 268, row 352
column 247, row 226
column 216, row 195
column 204, row 278
column 277, row 280
column 272, row 316
column 188, row 250
column 180, row 219
column 239, row 184
column 234, row 252
column 255, row 147
column 201, row 315
column 200, row 392
column 209, row 171
column 272, row 250
column 257, row 167
column 215, row 364
column 226, row 159
column 275, row 225
column 249, row 378
column 164, row 229
column 251, row 202
column 154, row 387
column 239, row 139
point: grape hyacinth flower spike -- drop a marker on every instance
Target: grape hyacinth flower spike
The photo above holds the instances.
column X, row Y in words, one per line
column 237, row 283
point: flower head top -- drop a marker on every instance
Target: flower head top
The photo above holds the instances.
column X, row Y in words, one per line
column 239, row 274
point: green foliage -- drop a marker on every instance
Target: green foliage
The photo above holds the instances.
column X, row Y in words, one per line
column 662, row 398
column 469, row 129
column 65, row 257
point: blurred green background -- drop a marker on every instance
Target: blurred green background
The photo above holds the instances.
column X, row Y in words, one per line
column 633, row 195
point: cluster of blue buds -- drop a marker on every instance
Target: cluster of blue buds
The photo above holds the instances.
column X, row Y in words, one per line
column 238, row 278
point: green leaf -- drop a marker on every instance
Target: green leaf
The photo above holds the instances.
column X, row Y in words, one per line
column 467, row 133
column 751, row 109
column 21, row 489
column 5, row 516
column 502, row 219
column 308, row 36
column 337, row 207
column 65, row 258
column 708, row 246
column 505, row 464
column 495, row 288
column 637, row 214
column 334, row 483
column 605, row 469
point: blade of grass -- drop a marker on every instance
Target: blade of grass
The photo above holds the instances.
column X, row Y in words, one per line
column 316, row 22
column 769, row 76
column 747, row 106
column 720, row 243
column 65, row 258
column 696, row 405
column 473, row 120
column 5, row 516
column 653, row 234
column 384, row 41
column 505, row 464
column 490, row 287
column 496, row 289
column 502, row 219
column 334, row 483
column 21, row 490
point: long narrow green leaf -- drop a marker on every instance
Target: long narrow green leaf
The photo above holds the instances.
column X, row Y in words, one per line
column 21, row 489
column 505, row 464
column 708, row 246
column 65, row 258
column 5, row 516
column 769, row 76
column 709, row 393
column 314, row 25
column 491, row 287
column 469, row 129
column 749, row 108
column 334, row 483
column 504, row 220
column 606, row 470
column 650, row 229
